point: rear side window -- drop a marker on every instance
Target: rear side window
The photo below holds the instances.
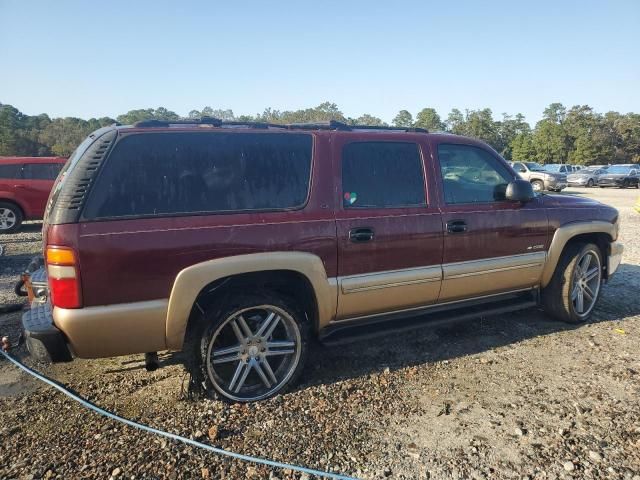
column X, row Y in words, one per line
column 10, row 171
column 41, row 171
column 382, row 174
column 172, row 173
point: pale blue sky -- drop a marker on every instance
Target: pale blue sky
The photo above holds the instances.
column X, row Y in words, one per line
column 91, row 59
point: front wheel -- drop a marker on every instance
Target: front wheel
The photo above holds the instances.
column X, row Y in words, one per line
column 590, row 183
column 537, row 185
column 575, row 286
column 253, row 347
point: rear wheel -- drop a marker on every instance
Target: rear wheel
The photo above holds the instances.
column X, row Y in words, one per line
column 575, row 286
column 537, row 185
column 253, row 347
column 10, row 217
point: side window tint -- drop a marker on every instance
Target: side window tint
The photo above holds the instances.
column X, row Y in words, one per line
column 10, row 171
column 471, row 175
column 41, row 171
column 208, row 172
column 382, row 174
column 519, row 167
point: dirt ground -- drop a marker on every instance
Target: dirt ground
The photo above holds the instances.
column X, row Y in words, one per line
column 516, row 396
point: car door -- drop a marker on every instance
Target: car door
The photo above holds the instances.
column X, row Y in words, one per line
column 34, row 186
column 490, row 245
column 388, row 224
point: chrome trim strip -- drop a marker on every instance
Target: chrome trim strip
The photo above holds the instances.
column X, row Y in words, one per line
column 492, row 265
column 391, row 278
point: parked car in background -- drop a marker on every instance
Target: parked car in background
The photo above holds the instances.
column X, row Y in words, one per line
column 239, row 243
column 540, row 178
column 558, row 168
column 25, row 183
column 621, row 176
column 587, row 177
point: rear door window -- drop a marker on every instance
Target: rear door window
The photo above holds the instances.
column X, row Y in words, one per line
column 192, row 172
column 41, row 171
column 382, row 175
column 11, row 171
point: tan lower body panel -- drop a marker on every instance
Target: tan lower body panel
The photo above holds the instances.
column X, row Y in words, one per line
column 367, row 294
column 121, row 329
column 491, row 275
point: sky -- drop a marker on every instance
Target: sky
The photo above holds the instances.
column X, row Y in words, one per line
column 94, row 59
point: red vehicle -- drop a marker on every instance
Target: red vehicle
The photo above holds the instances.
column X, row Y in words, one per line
column 237, row 243
column 25, row 184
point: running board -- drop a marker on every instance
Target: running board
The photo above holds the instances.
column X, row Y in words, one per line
column 346, row 332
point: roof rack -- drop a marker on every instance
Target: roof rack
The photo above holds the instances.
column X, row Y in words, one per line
column 330, row 125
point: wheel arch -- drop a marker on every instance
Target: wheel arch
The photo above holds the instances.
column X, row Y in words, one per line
column 15, row 202
column 599, row 232
column 298, row 274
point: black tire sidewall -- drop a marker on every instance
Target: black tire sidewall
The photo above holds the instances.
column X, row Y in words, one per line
column 219, row 312
column 18, row 213
column 557, row 295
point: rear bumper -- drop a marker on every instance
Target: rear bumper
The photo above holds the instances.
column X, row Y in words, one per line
column 614, row 259
column 44, row 341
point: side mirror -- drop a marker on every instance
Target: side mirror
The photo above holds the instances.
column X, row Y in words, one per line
column 519, row 191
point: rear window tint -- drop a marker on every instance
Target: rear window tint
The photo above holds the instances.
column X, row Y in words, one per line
column 10, row 171
column 42, row 171
column 173, row 173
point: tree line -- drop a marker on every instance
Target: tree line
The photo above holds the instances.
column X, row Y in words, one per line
column 576, row 135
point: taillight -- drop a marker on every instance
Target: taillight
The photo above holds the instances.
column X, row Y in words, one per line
column 64, row 281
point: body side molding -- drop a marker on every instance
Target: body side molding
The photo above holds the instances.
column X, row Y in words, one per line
column 190, row 281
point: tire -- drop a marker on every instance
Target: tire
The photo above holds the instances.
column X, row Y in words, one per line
column 561, row 298
column 538, row 185
column 625, row 184
column 10, row 217
column 252, row 367
column 590, row 183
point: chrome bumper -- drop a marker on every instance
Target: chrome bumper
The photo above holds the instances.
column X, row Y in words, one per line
column 614, row 259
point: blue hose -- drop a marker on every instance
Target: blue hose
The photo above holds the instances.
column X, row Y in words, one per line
column 172, row 436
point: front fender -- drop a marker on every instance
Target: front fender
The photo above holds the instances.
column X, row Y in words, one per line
column 565, row 233
column 190, row 282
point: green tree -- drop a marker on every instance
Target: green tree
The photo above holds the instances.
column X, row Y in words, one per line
column 367, row 119
column 403, row 119
column 428, row 118
column 160, row 113
column 455, row 122
column 522, row 148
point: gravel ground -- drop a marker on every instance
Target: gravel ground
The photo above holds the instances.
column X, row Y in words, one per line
column 515, row 396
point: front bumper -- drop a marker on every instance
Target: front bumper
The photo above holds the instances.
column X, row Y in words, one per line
column 44, row 341
column 610, row 182
column 614, row 258
column 555, row 185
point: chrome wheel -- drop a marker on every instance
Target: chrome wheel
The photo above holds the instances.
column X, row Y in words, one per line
column 8, row 218
column 253, row 353
column 587, row 277
column 537, row 186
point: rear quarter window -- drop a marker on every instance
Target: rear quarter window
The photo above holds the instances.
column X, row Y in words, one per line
column 159, row 174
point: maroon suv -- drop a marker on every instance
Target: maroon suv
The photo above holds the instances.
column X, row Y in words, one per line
column 238, row 243
column 25, row 183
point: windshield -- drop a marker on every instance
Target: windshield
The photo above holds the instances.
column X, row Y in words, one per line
column 536, row 167
column 618, row 169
